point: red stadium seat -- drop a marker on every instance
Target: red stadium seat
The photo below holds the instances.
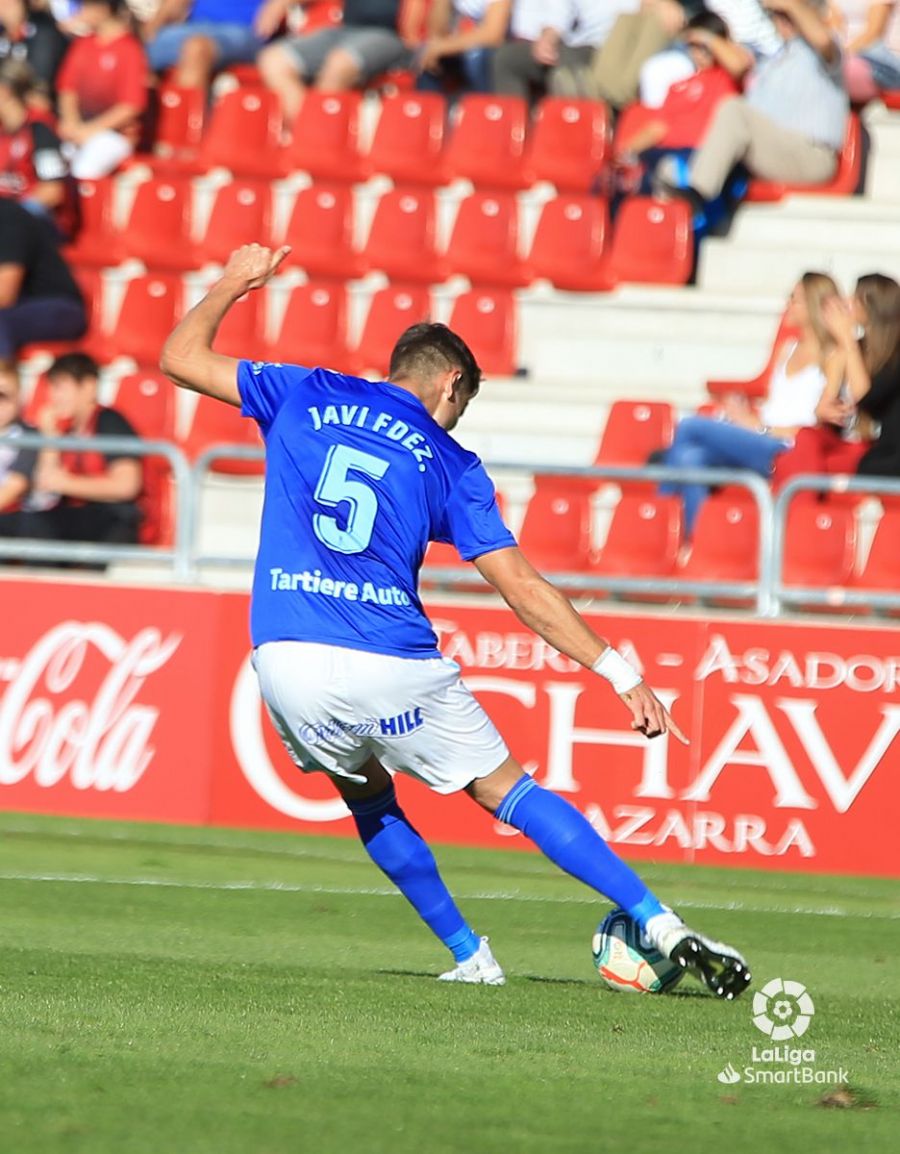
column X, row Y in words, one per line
column 150, row 307
column 570, row 244
column 487, row 145
column 409, row 140
column 97, row 240
column 643, row 539
column 401, row 240
column 243, row 134
column 325, row 138
column 556, row 529
column 147, row 400
column 320, row 232
column 391, row 311
column 486, row 320
column 245, row 75
column 568, row 143
column 725, row 545
column 313, row 328
column 845, row 181
column 653, row 242
column 820, row 545
column 181, row 113
column 158, row 229
column 318, row 14
column 216, row 423
column 757, row 386
column 890, row 99
column 882, row 567
column 634, row 430
column 485, row 240
column 241, row 214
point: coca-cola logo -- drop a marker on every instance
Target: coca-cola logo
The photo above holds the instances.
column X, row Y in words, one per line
column 70, row 708
column 249, row 744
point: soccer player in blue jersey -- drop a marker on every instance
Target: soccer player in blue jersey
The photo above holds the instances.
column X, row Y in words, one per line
column 360, row 476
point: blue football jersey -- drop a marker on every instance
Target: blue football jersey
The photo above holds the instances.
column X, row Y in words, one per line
column 359, row 478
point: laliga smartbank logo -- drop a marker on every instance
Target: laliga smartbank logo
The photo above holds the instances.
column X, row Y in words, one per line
column 782, row 1010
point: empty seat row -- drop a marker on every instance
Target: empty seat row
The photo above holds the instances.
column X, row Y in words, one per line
column 574, row 245
column 312, row 330
column 644, row 540
column 494, row 142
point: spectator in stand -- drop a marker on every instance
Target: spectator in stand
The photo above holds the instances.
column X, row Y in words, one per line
column 791, row 124
column 16, row 464
column 373, row 36
column 102, row 89
column 636, row 36
column 96, row 493
column 459, row 48
column 870, row 36
column 859, row 415
column 195, row 39
column 550, row 42
column 33, row 170
column 753, row 37
column 39, row 299
column 679, row 125
column 32, row 36
column 749, row 439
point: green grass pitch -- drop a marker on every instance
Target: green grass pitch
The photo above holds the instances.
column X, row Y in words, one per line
column 186, row 990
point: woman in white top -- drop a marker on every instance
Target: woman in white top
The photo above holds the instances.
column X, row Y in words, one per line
column 462, row 36
column 748, row 438
column 869, row 32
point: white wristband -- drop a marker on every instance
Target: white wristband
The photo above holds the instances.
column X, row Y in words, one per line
column 617, row 671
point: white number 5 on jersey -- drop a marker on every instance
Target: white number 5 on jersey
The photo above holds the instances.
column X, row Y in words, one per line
column 335, row 486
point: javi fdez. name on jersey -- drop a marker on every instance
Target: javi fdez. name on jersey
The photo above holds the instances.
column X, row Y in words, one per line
column 362, row 417
column 313, row 582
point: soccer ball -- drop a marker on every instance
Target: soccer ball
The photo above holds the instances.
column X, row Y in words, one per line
column 625, row 962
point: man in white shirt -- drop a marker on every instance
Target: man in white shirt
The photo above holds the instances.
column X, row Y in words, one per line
column 548, row 35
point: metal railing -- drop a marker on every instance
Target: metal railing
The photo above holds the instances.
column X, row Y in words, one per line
column 767, row 595
column 577, row 583
column 78, row 552
column 835, row 596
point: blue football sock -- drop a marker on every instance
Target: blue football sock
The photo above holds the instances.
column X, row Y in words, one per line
column 401, row 853
column 569, row 840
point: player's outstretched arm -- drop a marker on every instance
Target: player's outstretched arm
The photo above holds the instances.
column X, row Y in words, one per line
column 187, row 356
column 551, row 615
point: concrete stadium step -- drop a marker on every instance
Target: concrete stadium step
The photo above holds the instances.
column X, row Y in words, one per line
column 725, row 266
column 676, row 338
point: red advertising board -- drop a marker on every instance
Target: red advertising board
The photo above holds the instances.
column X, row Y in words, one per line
column 137, row 703
column 107, row 701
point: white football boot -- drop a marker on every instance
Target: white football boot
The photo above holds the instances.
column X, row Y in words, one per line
column 481, row 968
column 719, row 967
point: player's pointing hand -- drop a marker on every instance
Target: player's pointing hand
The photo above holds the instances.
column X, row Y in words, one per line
column 253, row 265
column 648, row 714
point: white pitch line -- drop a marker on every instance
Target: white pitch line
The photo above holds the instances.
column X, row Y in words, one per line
column 390, row 892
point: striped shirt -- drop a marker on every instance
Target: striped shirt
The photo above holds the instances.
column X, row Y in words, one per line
column 802, row 92
column 748, row 24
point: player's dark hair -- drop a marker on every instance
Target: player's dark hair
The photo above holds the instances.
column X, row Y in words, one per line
column 426, row 348
column 77, row 365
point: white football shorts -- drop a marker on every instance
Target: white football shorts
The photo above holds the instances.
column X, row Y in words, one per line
column 334, row 708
